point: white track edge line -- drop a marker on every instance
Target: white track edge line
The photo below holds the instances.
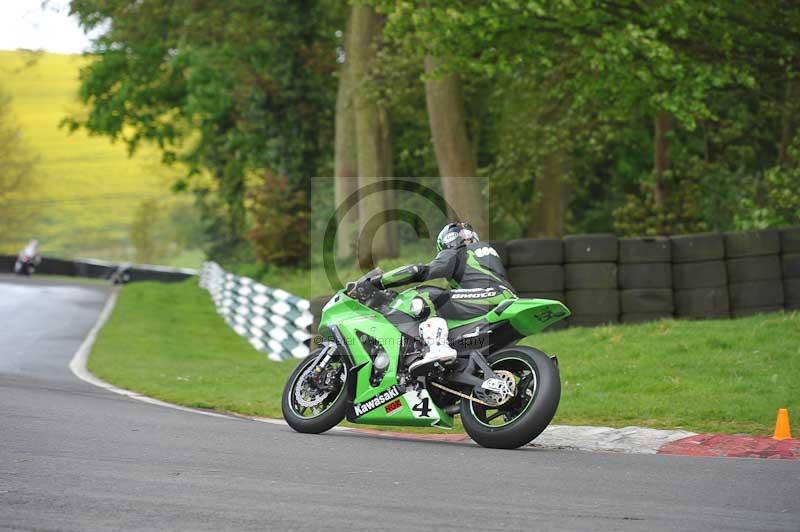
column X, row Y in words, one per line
column 78, row 366
column 79, row 360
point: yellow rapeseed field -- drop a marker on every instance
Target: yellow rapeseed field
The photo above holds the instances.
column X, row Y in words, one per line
column 87, row 188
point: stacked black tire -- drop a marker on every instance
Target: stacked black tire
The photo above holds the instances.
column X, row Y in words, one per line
column 590, row 279
column 645, row 279
column 755, row 280
column 790, row 265
column 535, row 267
column 699, row 276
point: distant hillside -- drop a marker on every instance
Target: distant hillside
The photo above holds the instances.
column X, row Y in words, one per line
column 88, row 188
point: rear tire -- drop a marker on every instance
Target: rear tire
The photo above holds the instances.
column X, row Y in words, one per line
column 333, row 413
column 536, row 415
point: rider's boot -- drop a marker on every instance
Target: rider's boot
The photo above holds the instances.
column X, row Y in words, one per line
column 434, row 333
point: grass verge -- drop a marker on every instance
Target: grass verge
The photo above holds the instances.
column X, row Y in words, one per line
column 166, row 341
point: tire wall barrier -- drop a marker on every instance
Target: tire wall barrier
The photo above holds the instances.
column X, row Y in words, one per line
column 790, row 267
column 699, row 276
column 272, row 320
column 592, row 284
column 99, row 269
column 605, row 279
column 755, row 278
column 645, row 279
column 535, row 268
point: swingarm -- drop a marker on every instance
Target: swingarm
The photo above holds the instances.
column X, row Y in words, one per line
column 464, row 372
column 489, row 390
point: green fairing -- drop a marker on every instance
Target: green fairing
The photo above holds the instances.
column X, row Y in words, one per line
column 403, row 300
column 531, row 316
column 351, row 317
column 527, row 316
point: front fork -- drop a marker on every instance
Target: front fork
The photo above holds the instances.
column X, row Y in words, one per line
column 326, row 353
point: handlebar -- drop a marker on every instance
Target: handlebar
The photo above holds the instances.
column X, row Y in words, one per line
column 368, row 294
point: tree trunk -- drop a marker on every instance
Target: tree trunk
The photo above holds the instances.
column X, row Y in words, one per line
column 661, row 190
column 345, row 163
column 788, row 120
column 372, row 134
column 454, row 153
column 390, row 197
column 551, row 204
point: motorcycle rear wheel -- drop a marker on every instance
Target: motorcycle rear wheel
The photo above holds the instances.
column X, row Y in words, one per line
column 524, row 417
column 313, row 420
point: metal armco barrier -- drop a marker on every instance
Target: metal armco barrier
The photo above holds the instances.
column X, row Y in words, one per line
column 272, row 320
column 101, row 269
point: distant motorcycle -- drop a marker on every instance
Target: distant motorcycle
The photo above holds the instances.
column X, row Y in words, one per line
column 121, row 275
column 28, row 259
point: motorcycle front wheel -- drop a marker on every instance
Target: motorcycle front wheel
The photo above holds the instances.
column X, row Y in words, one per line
column 519, row 420
column 307, row 407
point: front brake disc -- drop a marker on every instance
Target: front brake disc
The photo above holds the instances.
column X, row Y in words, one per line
column 305, row 394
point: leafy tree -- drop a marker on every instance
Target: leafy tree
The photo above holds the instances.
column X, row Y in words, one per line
column 278, row 237
column 605, row 66
column 222, row 88
column 583, row 115
column 147, row 232
column 17, row 178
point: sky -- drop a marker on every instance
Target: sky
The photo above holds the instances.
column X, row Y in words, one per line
column 40, row 25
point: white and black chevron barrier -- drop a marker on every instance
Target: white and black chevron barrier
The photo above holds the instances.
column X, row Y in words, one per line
column 272, row 320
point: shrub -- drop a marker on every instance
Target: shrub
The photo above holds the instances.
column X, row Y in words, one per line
column 279, row 222
column 641, row 216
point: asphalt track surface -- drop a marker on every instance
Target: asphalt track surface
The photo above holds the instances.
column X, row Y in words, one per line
column 77, row 457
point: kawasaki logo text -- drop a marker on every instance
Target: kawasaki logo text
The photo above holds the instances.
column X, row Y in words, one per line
column 379, row 400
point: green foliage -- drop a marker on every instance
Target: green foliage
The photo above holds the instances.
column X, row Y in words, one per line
column 162, row 230
column 581, row 76
column 224, row 89
column 641, row 216
column 186, row 226
column 551, row 88
column 17, row 175
column 148, row 244
column 279, row 232
column 774, row 200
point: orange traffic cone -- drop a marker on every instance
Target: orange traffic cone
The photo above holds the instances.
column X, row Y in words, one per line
column 782, row 429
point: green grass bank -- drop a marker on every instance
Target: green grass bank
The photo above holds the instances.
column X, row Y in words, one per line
column 730, row 376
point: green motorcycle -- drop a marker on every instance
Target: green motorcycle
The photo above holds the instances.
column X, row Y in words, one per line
column 369, row 339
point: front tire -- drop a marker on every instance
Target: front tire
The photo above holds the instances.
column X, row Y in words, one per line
column 313, row 421
column 527, row 414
